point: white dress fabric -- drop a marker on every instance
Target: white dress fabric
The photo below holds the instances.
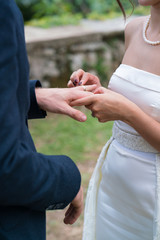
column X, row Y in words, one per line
column 123, row 199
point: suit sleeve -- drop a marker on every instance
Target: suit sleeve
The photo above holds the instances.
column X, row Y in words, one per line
column 27, row 178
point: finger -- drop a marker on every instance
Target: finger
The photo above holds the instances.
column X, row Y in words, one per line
column 88, row 88
column 79, row 95
column 68, row 214
column 75, row 114
column 93, row 115
column 103, row 120
column 73, row 82
column 69, row 217
column 100, row 90
column 89, row 106
column 83, row 101
column 76, row 76
column 73, row 76
column 70, row 84
column 89, row 78
column 69, row 210
column 73, row 216
column 86, row 77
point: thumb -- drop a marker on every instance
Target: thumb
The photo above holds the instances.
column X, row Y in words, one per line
column 75, row 114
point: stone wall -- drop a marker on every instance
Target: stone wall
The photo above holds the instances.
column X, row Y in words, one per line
column 53, row 59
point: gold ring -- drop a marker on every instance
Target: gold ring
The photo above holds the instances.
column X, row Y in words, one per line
column 84, row 88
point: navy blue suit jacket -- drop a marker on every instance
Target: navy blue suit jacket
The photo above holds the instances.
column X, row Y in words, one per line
column 30, row 182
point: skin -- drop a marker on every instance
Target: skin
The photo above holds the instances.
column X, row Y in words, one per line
column 58, row 100
column 149, row 2
column 62, row 99
column 107, row 105
column 75, row 208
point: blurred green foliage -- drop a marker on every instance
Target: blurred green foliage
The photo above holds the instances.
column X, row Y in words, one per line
column 60, row 12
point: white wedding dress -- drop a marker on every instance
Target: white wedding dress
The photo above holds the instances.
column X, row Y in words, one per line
column 123, row 199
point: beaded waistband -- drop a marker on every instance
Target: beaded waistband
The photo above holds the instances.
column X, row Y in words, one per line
column 132, row 141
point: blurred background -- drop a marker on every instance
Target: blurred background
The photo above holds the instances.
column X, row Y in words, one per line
column 60, row 12
column 63, row 36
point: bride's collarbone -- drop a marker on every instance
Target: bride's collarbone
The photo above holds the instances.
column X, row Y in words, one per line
column 143, row 58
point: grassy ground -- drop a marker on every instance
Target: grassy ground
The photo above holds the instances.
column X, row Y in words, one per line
column 82, row 142
column 62, row 135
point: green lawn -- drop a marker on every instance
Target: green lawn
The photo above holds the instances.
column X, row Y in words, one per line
column 58, row 134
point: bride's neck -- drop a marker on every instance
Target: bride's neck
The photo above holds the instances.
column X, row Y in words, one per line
column 155, row 18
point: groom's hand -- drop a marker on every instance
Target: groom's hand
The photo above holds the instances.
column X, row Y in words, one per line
column 58, row 100
column 75, row 208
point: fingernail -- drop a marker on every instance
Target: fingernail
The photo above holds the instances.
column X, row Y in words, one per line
column 76, row 81
column 83, row 118
column 80, row 83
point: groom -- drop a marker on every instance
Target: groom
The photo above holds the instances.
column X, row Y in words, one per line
column 30, row 182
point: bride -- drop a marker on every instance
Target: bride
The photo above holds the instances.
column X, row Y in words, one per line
column 123, row 200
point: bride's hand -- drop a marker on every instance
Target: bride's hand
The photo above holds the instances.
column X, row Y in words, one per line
column 81, row 77
column 106, row 105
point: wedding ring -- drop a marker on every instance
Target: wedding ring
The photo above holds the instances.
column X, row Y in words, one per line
column 84, row 88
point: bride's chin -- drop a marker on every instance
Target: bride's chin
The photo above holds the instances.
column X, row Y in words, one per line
column 149, row 2
column 146, row 2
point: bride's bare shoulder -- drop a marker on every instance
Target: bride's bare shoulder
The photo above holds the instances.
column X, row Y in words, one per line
column 132, row 27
